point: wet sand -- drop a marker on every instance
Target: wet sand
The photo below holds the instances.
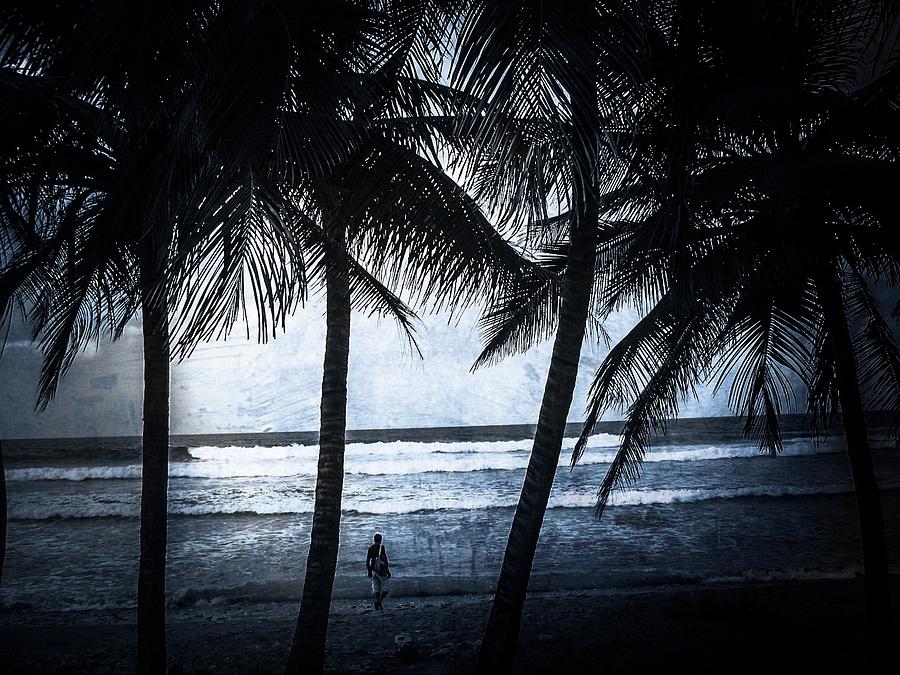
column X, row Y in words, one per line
column 803, row 626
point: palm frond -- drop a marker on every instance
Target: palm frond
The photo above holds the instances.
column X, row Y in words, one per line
column 244, row 254
column 767, row 345
column 368, row 294
column 662, row 365
column 525, row 311
column 420, row 231
column 668, row 332
column 876, row 351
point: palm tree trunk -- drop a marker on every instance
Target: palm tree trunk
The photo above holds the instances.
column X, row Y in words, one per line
column 308, row 647
column 2, row 513
column 155, row 472
column 498, row 646
column 868, row 498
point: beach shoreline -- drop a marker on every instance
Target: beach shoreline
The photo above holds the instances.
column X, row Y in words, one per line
column 738, row 627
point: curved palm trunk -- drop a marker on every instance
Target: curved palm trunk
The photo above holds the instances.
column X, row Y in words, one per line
column 308, row 647
column 155, row 474
column 498, row 647
column 868, row 498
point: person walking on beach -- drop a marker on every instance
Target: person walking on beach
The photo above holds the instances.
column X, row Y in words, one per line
column 379, row 573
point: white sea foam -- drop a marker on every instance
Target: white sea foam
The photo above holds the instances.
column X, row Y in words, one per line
column 671, row 496
column 766, row 575
column 387, row 449
column 398, row 458
column 273, row 504
column 73, row 473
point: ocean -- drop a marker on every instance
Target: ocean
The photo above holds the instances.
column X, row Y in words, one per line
column 709, row 507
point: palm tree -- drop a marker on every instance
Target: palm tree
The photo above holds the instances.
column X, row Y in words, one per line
column 703, row 90
column 131, row 165
column 777, row 242
column 203, row 285
column 548, row 74
column 418, row 215
column 388, row 211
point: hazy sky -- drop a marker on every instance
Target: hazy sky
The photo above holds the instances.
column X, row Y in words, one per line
column 240, row 386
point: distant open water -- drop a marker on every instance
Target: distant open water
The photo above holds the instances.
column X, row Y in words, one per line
column 708, row 507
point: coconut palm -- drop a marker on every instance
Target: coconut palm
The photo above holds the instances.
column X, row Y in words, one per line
column 419, row 216
column 389, row 211
column 133, row 157
column 223, row 228
column 548, row 74
column 702, row 87
column 762, row 268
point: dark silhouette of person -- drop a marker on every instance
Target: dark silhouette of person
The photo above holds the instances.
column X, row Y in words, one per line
column 379, row 572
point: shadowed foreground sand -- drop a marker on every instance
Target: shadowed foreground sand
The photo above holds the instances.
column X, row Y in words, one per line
column 812, row 625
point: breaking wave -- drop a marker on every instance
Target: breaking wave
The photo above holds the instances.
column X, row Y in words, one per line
column 278, row 505
column 398, row 458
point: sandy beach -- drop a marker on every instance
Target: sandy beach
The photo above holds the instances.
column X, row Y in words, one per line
column 811, row 626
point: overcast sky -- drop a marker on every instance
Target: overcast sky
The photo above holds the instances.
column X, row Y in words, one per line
column 240, row 386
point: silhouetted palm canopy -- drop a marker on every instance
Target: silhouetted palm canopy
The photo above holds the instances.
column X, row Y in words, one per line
column 110, row 147
column 768, row 170
column 756, row 155
column 759, row 218
column 231, row 167
column 153, row 175
column 744, row 192
column 544, row 74
column 387, row 211
column 551, row 81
